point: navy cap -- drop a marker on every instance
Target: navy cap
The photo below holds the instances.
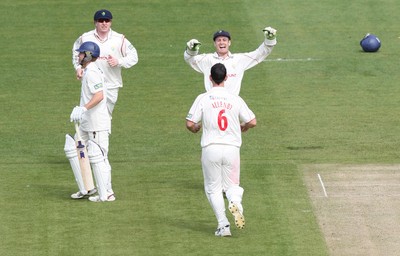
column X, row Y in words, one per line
column 222, row 33
column 103, row 14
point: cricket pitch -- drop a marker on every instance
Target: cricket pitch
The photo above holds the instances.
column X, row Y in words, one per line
column 357, row 207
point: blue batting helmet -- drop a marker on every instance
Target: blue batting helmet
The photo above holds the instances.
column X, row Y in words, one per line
column 90, row 48
column 370, row 43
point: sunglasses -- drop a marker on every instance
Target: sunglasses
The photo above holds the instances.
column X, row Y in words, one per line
column 103, row 20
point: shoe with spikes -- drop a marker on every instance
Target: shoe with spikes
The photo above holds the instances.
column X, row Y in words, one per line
column 237, row 211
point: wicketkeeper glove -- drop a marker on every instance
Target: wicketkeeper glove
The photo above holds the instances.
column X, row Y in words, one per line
column 77, row 113
column 193, row 45
column 270, row 33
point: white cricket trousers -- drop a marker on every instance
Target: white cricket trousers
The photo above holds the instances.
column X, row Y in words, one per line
column 221, row 171
column 112, row 97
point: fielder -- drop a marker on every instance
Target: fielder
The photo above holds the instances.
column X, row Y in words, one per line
column 116, row 53
column 95, row 125
column 236, row 64
column 224, row 116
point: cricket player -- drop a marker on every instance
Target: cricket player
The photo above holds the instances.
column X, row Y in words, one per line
column 224, row 116
column 116, row 53
column 95, row 124
column 236, row 64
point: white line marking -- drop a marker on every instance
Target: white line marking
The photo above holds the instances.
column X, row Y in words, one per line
column 291, row 60
column 322, row 184
column 364, row 185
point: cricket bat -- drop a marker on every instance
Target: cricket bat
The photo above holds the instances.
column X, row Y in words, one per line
column 83, row 160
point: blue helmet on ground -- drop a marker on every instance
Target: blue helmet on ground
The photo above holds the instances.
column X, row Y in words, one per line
column 370, row 43
column 90, row 48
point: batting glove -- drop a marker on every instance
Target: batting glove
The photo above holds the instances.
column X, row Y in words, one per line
column 270, row 33
column 77, row 113
column 193, row 45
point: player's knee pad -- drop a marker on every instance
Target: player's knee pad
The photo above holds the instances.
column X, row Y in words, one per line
column 95, row 153
column 99, row 167
column 70, row 147
column 72, row 155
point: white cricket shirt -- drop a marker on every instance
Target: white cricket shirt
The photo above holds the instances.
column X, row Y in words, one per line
column 221, row 113
column 115, row 45
column 96, row 118
column 235, row 64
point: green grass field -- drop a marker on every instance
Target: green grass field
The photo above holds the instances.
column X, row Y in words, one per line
column 327, row 102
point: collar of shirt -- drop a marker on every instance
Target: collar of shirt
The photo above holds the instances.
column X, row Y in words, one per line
column 215, row 55
column 100, row 39
column 89, row 64
column 218, row 88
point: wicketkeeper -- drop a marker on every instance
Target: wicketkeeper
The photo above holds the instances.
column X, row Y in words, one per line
column 236, row 64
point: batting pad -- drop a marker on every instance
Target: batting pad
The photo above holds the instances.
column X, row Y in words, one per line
column 71, row 154
column 100, row 170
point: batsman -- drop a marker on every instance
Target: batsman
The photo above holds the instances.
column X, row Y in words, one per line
column 93, row 125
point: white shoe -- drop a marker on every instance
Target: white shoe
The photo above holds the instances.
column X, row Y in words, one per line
column 79, row 195
column 110, row 198
column 237, row 211
column 223, row 231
